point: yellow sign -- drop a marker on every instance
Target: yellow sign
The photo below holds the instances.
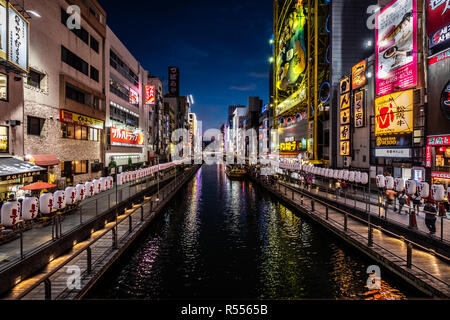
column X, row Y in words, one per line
column 345, row 116
column 345, row 132
column 359, row 75
column 75, row 118
column 394, row 113
column 345, row 148
column 345, row 85
column 345, row 101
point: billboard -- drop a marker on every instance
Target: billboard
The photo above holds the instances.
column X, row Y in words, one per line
column 359, row 109
column 78, row 119
column 3, row 29
column 134, row 97
column 291, row 58
column 174, row 81
column 396, row 47
column 121, row 137
column 394, row 113
column 359, row 75
column 438, row 25
column 150, row 95
column 18, row 39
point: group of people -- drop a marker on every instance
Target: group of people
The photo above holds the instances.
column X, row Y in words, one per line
column 431, row 209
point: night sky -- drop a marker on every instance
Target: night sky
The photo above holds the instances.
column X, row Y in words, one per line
column 221, row 47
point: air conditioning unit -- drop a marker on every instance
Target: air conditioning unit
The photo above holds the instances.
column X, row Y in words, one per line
column 347, row 161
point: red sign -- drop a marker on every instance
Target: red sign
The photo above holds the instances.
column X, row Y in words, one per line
column 149, row 94
column 438, row 15
column 440, row 175
column 439, row 57
column 125, row 137
column 428, row 158
column 439, row 141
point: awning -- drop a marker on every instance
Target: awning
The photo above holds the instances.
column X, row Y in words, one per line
column 12, row 168
column 39, row 186
column 44, row 159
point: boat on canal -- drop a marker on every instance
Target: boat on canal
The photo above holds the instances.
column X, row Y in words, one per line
column 235, row 173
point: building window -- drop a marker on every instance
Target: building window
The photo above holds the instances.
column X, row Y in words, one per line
column 75, row 94
column 35, row 125
column 93, row 134
column 77, row 132
column 94, row 74
column 94, row 44
column 80, row 167
column 119, row 89
column 80, row 33
column 123, row 69
column 4, row 139
column 34, row 79
column 74, row 61
column 70, row 131
column 3, row 87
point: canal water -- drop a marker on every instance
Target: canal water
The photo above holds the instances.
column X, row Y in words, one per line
column 222, row 239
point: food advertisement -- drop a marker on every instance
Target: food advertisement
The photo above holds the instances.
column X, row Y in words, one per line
column 359, row 75
column 291, row 58
column 438, row 25
column 396, row 47
column 121, row 137
column 344, row 85
column 394, row 113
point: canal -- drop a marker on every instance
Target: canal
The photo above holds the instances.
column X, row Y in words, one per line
column 222, row 239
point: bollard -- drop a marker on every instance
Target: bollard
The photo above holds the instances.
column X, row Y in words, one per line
column 89, row 259
column 312, row 205
column 409, row 255
column 326, row 212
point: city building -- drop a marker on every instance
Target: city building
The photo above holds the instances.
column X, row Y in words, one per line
column 126, row 117
column 156, row 118
column 64, row 100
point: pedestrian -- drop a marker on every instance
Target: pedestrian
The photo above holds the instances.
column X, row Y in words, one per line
column 430, row 217
column 417, row 201
column 390, row 197
column 402, row 199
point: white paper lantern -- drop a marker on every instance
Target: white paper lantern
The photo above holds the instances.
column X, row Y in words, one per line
column 351, row 176
column 411, row 187
column 364, row 178
column 104, row 183
column 358, row 176
column 399, row 184
column 341, row 174
column 424, row 189
column 381, row 181
column 10, row 213
column 89, row 189
column 345, row 175
column 70, row 195
column 46, row 203
column 80, row 192
column 438, row 192
column 29, row 208
column 110, row 182
column 97, row 186
column 59, row 200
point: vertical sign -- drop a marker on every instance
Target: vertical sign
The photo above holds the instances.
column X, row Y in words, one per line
column 344, row 128
column 3, row 29
column 18, row 39
column 396, row 47
column 150, row 95
column 438, row 25
column 359, row 75
column 359, row 109
column 174, row 81
column 428, row 157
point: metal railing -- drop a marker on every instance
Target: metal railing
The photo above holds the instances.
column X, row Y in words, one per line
column 117, row 232
column 369, row 238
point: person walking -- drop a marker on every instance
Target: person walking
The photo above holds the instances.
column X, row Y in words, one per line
column 416, row 201
column 390, row 197
column 402, row 199
column 430, row 217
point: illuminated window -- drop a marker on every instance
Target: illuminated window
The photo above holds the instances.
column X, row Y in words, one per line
column 4, row 138
column 3, row 86
column 77, row 132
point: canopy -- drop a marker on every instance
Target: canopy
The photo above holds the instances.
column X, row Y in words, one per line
column 12, row 168
column 44, row 159
column 38, row 186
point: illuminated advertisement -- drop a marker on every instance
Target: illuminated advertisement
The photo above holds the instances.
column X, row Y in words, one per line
column 134, row 97
column 428, row 158
column 150, row 95
column 398, row 140
column 121, row 137
column 394, row 113
column 291, row 59
column 393, row 153
column 344, row 85
column 439, row 141
column 438, row 24
column 18, row 39
column 359, row 109
column 75, row 118
column 345, row 148
column 345, row 101
column 345, row 132
column 396, row 47
column 359, row 75
column 174, row 81
column 445, row 101
column 4, row 138
column 439, row 57
column 345, row 116
column 3, row 29
column 292, row 146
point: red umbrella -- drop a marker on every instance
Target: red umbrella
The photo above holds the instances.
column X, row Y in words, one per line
column 38, row 186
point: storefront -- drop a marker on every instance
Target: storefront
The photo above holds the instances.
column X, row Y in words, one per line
column 438, row 159
column 293, row 144
column 14, row 174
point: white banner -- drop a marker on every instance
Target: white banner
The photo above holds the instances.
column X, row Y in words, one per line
column 18, row 39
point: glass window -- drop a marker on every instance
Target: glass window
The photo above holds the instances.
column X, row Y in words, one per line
column 78, row 132
column 3, row 86
column 84, row 133
column 70, row 131
column 93, row 134
column 35, row 125
column 4, row 138
column 34, row 79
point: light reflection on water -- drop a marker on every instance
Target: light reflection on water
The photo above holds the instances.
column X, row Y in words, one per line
column 221, row 239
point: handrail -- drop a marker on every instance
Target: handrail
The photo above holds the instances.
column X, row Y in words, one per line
column 91, row 241
column 368, row 225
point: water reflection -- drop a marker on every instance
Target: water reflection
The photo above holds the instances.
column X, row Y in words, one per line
column 222, row 239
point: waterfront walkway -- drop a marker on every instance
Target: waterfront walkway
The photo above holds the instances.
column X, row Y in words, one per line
column 420, row 266
column 89, row 209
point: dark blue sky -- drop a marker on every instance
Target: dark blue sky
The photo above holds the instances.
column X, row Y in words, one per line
column 221, row 47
